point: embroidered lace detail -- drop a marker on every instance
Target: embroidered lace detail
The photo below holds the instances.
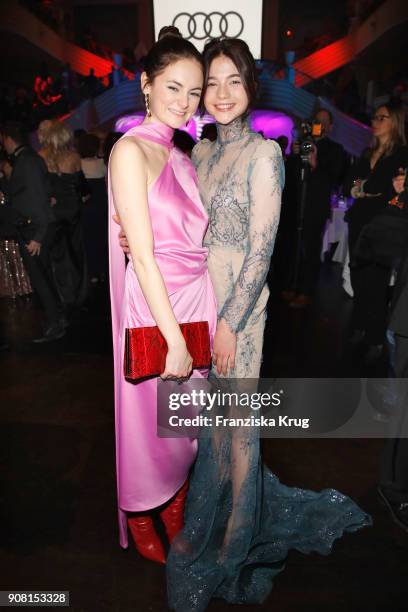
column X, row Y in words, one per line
column 234, row 131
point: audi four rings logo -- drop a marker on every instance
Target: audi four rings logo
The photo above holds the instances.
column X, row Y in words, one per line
column 214, row 25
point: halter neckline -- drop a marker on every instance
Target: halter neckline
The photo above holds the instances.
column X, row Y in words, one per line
column 156, row 132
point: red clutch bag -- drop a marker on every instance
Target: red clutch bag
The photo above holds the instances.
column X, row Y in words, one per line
column 146, row 349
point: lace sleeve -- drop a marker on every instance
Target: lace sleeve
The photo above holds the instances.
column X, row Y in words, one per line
column 199, row 151
column 265, row 183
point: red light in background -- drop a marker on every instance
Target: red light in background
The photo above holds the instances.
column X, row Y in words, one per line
column 324, row 60
column 289, row 33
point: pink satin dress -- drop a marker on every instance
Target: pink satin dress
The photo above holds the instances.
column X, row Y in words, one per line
column 150, row 469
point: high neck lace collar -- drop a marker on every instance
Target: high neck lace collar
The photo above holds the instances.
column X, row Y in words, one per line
column 157, row 132
column 233, row 132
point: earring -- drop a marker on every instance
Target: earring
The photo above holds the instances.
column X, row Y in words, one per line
column 148, row 111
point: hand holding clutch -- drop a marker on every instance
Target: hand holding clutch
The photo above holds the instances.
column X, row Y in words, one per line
column 179, row 363
column 146, row 349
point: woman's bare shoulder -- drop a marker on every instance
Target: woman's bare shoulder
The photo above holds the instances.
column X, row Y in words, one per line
column 70, row 162
column 128, row 146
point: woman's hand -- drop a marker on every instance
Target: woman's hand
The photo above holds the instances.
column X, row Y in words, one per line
column 357, row 188
column 122, row 236
column 357, row 191
column 33, row 247
column 224, row 348
column 179, row 363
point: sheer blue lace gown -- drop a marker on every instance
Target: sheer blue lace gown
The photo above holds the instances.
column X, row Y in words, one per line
column 240, row 521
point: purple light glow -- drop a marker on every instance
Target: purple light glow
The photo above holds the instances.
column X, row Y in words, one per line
column 271, row 123
column 128, row 121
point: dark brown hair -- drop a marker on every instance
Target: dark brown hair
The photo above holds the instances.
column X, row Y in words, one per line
column 170, row 48
column 238, row 52
column 16, row 131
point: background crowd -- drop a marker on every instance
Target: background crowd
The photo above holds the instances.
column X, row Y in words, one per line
column 70, row 169
column 53, row 94
column 54, row 216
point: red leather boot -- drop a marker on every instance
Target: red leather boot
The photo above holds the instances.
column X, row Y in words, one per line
column 146, row 538
column 173, row 514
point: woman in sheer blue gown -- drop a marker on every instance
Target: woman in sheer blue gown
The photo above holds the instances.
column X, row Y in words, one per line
column 240, row 521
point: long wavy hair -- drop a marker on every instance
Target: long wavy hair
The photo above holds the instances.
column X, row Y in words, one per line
column 57, row 141
column 397, row 138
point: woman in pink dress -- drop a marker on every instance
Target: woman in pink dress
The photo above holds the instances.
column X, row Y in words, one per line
column 153, row 190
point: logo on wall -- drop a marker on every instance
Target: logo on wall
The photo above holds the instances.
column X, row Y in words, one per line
column 200, row 26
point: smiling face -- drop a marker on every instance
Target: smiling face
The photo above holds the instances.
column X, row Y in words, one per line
column 175, row 93
column 225, row 96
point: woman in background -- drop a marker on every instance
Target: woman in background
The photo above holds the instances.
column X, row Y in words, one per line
column 95, row 217
column 68, row 190
column 372, row 177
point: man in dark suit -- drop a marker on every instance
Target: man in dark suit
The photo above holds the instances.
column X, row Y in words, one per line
column 394, row 482
column 30, row 202
column 327, row 164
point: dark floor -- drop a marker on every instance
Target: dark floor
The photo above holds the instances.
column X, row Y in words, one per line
column 58, row 507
